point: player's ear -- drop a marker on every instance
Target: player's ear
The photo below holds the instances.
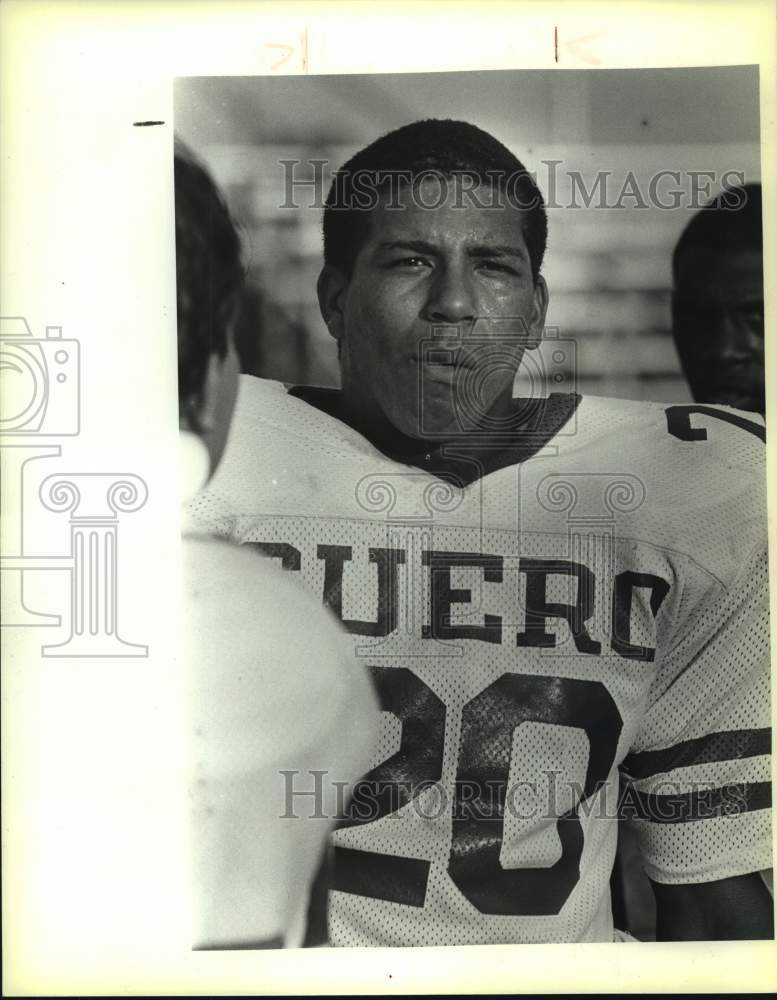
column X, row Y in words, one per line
column 539, row 310
column 331, row 287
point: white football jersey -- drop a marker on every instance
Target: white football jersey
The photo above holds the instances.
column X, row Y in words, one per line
column 597, row 609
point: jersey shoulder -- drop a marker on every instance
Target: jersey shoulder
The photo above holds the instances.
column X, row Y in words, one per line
column 709, row 440
column 695, row 476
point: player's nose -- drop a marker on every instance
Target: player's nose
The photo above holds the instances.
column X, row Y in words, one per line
column 452, row 298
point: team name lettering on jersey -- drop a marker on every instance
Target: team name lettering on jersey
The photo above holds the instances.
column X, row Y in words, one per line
column 537, row 609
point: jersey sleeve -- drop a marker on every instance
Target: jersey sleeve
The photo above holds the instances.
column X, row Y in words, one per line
column 697, row 782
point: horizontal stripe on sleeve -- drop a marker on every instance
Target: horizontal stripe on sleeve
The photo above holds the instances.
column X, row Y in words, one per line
column 735, row 744
column 703, row 803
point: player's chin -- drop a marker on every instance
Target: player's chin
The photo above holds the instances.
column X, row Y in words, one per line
column 439, row 417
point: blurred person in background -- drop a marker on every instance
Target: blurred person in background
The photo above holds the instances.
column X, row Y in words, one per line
column 718, row 301
column 273, row 684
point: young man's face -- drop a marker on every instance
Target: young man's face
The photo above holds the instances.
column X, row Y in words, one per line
column 437, row 313
column 719, row 326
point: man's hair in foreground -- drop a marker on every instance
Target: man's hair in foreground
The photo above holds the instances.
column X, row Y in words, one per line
column 209, row 273
column 444, row 148
column 731, row 221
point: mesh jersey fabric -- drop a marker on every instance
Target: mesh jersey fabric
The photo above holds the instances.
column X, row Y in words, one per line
column 266, row 696
column 600, row 605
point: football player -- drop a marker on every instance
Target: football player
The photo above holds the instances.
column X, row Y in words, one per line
column 266, row 695
column 546, row 590
column 718, row 301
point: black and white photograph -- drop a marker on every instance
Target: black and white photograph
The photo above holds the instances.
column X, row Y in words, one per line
column 386, row 411
column 501, row 421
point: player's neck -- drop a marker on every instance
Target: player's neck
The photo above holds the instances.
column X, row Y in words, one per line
column 464, row 458
column 373, row 424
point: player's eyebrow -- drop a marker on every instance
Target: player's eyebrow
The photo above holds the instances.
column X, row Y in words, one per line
column 497, row 250
column 479, row 252
column 418, row 246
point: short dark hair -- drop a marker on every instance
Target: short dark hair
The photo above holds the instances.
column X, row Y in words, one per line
column 444, row 147
column 208, row 272
column 732, row 220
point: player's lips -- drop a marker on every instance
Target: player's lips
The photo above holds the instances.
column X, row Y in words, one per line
column 442, row 362
column 446, row 358
column 445, row 372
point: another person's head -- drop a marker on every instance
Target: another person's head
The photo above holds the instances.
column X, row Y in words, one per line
column 209, row 274
column 717, row 303
column 434, row 237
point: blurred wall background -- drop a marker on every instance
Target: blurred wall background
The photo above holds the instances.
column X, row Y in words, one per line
column 608, row 268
